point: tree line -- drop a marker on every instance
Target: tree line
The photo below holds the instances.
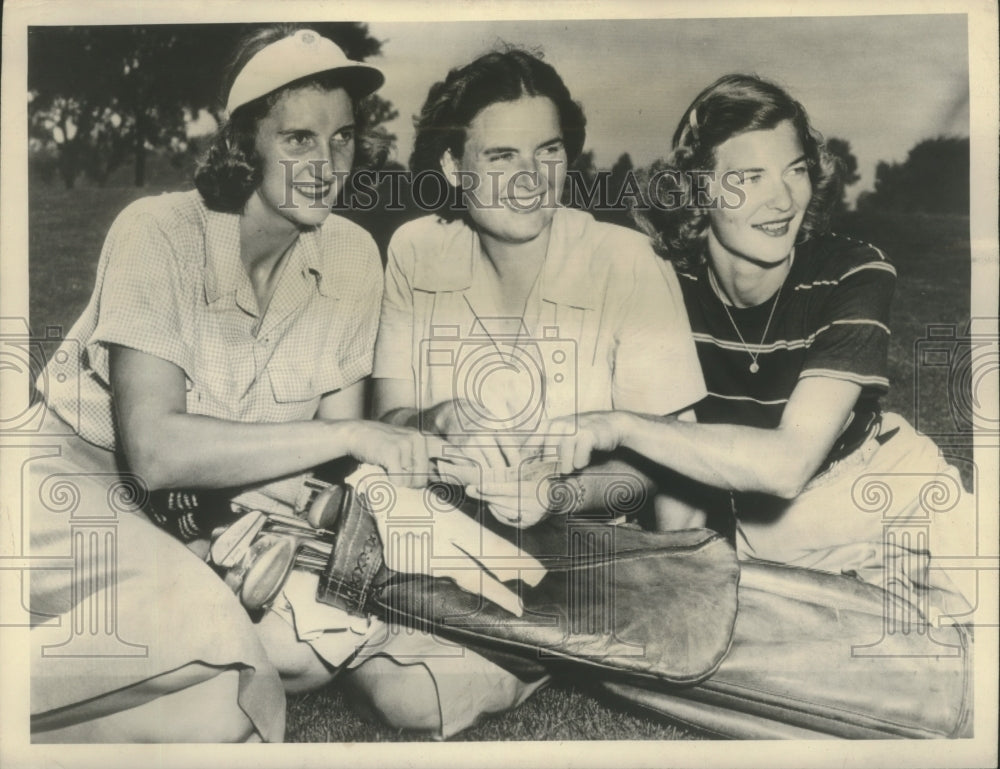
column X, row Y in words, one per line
column 101, row 97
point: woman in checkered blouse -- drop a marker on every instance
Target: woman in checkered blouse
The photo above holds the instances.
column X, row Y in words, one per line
column 225, row 344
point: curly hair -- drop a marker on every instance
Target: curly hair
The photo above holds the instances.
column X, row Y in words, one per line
column 231, row 169
column 732, row 105
column 498, row 76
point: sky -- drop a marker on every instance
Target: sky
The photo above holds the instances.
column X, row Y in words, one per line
column 883, row 83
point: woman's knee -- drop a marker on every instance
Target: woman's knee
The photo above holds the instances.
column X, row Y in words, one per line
column 210, row 711
column 206, row 711
column 300, row 668
column 403, row 696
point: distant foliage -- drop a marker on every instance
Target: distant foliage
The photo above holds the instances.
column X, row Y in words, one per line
column 101, row 96
column 848, row 165
column 934, row 178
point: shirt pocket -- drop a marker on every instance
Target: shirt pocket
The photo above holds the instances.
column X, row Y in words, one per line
column 292, row 384
column 295, row 383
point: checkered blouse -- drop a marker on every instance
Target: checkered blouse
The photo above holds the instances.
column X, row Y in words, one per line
column 170, row 284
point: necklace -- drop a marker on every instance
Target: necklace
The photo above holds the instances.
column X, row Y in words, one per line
column 754, row 366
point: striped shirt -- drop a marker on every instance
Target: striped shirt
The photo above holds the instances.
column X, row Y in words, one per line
column 831, row 320
column 170, row 284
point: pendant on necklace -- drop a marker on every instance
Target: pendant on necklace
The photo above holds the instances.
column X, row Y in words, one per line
column 754, row 368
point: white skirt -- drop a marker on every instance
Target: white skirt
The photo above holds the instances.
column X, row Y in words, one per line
column 880, row 514
column 115, row 600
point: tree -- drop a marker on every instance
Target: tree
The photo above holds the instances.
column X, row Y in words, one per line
column 372, row 113
column 101, row 95
column 623, row 192
column 847, row 166
column 620, row 173
column 934, row 178
column 581, row 190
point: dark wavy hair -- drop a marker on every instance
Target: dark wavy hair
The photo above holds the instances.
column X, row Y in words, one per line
column 732, row 105
column 498, row 76
column 231, row 169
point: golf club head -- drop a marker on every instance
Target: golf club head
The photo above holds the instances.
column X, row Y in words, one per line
column 234, row 543
column 268, row 572
column 325, row 508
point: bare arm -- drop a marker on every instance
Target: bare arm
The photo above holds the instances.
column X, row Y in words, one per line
column 348, row 403
column 732, row 457
column 611, row 484
column 170, row 448
column 394, row 403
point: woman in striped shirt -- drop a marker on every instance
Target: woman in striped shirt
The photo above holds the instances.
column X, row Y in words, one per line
column 791, row 326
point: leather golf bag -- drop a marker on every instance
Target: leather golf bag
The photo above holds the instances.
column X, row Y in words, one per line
column 669, row 621
column 816, row 655
column 674, row 624
column 594, row 607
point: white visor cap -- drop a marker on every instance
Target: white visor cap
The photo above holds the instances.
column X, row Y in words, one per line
column 293, row 58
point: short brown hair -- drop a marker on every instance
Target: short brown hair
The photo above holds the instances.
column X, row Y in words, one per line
column 499, row 76
column 732, row 105
column 231, row 169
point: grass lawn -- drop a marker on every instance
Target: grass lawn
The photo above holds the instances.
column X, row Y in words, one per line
column 933, row 259
column 932, row 255
column 563, row 711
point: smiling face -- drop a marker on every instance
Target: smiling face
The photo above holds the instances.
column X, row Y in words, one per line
column 512, row 169
column 306, row 147
column 777, row 191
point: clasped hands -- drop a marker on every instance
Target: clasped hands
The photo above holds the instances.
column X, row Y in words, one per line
column 523, row 476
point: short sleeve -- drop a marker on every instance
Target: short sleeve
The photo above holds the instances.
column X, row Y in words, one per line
column 140, row 301
column 394, row 348
column 656, row 369
column 358, row 339
column 851, row 336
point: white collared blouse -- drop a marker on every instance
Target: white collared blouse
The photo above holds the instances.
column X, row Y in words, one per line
column 604, row 327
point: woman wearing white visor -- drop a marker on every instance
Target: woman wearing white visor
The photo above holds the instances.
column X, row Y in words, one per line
column 225, row 344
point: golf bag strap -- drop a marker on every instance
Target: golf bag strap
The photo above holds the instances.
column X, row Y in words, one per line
column 356, row 564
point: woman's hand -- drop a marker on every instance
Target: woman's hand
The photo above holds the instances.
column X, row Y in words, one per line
column 463, row 424
column 593, row 431
column 403, row 452
column 520, row 503
column 572, row 441
column 490, row 450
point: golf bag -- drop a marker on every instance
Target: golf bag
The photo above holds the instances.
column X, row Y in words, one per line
column 672, row 623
